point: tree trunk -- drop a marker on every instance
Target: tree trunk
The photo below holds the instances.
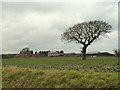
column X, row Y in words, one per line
column 84, row 52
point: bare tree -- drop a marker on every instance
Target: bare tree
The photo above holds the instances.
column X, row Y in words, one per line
column 85, row 33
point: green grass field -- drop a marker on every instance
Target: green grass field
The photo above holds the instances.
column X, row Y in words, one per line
column 69, row 72
column 98, row 64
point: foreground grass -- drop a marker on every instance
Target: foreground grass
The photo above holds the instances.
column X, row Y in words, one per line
column 18, row 77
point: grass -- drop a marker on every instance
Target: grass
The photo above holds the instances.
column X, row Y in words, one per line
column 98, row 64
column 61, row 60
column 60, row 72
column 17, row 77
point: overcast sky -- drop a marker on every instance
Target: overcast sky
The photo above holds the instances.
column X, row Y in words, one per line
column 39, row 25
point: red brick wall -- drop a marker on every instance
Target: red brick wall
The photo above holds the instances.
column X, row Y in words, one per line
column 21, row 54
column 53, row 54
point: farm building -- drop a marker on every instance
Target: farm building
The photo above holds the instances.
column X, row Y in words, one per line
column 25, row 53
column 53, row 53
column 105, row 54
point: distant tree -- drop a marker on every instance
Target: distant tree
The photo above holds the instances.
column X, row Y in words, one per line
column 26, row 49
column 31, row 52
column 74, row 53
column 44, row 52
column 57, row 51
column 85, row 33
column 117, row 52
column 61, row 52
column 35, row 52
column 40, row 52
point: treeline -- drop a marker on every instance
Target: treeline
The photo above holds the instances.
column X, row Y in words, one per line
column 42, row 52
column 8, row 56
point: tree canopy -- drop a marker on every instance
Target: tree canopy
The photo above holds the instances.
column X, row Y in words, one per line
column 85, row 33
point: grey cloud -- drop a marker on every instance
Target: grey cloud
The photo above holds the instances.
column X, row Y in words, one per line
column 32, row 6
column 40, row 25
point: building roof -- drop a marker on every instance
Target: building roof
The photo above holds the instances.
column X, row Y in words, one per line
column 95, row 52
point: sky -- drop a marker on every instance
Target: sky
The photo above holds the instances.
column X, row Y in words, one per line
column 39, row 25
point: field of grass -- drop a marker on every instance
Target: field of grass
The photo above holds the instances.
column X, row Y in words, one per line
column 97, row 64
column 60, row 72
